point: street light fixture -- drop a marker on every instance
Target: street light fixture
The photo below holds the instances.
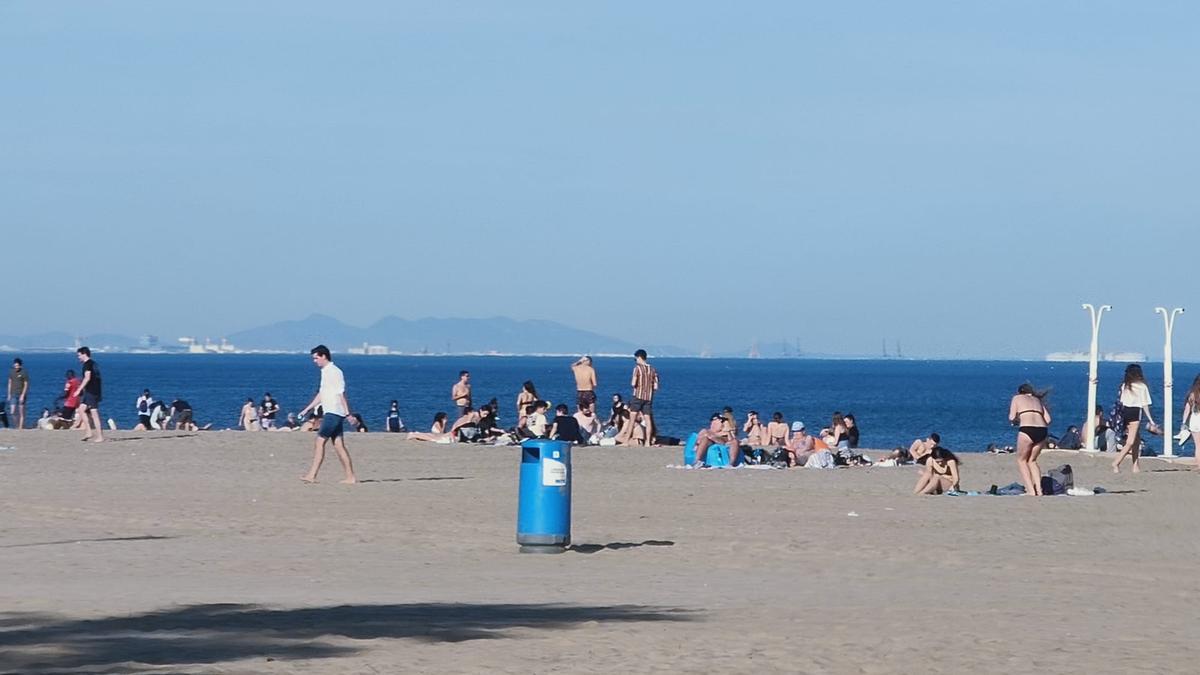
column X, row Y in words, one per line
column 1089, row 439
column 1168, row 381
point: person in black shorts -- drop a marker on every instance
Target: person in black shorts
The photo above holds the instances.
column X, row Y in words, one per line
column 89, row 391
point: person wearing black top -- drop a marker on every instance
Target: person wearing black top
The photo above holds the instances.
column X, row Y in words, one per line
column 566, row 427
column 181, row 410
column 851, row 429
column 394, row 423
column 489, row 427
column 267, row 411
column 620, row 414
column 90, row 391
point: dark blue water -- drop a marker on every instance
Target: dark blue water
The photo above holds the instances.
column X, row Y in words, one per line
column 894, row 401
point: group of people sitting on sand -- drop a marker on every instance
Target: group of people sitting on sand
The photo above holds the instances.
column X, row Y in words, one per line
column 780, row 443
column 483, row 426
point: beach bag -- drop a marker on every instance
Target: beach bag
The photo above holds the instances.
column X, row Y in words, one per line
column 1070, row 440
column 754, row 456
column 1058, row 480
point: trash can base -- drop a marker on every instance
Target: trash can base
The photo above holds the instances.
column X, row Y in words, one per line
column 543, row 549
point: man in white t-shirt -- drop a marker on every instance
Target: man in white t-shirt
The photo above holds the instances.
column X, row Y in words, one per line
column 332, row 399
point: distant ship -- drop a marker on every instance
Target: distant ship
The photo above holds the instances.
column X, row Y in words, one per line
column 1124, row 357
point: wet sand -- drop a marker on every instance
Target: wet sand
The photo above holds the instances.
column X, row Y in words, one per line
column 205, row 553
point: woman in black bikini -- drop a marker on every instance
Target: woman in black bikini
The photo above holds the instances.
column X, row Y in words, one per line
column 1028, row 412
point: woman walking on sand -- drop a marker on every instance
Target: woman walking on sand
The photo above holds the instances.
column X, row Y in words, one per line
column 1191, row 416
column 1135, row 400
column 1027, row 411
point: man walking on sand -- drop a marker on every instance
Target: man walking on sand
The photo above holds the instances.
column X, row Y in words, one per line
column 644, row 383
column 18, row 389
column 332, row 399
column 89, row 392
column 585, row 383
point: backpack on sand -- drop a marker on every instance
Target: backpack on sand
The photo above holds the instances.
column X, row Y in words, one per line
column 1058, row 480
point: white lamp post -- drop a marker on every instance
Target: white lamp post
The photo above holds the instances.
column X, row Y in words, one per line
column 1168, row 383
column 1089, row 440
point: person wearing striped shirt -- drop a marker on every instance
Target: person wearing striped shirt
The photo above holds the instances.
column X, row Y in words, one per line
column 644, row 383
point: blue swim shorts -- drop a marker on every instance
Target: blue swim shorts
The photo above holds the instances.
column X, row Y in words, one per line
column 332, row 426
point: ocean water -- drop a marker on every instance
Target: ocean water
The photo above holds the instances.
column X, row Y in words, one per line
column 894, row 401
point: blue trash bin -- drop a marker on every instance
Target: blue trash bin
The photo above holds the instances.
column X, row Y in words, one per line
column 544, row 500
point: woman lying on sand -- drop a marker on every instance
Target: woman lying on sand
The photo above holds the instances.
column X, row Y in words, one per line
column 437, row 432
column 940, row 474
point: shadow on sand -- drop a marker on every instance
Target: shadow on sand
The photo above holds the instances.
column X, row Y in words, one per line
column 216, row 633
column 403, row 480
column 616, row 546
column 144, row 537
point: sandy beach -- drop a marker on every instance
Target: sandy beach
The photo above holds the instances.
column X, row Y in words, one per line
column 205, row 553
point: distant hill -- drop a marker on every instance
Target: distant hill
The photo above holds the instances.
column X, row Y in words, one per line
column 440, row 336
column 99, row 341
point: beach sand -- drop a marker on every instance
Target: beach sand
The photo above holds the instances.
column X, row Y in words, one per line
column 205, row 553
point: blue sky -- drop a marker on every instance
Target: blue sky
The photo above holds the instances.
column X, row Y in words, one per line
column 958, row 176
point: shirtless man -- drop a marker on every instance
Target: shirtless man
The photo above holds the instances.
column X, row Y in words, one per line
column 468, row 424
column 585, row 383
column 718, row 432
column 644, row 382
column 461, row 392
column 920, row 448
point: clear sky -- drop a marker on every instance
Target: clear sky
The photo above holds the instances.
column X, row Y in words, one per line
column 958, row 176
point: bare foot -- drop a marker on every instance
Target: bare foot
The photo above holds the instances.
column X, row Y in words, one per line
column 1137, row 469
column 348, row 481
column 1116, row 468
column 308, row 479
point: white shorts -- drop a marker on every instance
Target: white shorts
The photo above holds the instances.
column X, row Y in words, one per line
column 1194, row 422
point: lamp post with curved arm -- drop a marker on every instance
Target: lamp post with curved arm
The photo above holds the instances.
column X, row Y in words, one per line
column 1168, row 379
column 1089, row 439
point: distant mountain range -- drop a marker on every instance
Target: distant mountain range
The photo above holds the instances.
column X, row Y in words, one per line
column 431, row 336
column 441, row 336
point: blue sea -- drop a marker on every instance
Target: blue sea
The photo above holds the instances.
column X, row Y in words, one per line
column 894, row 401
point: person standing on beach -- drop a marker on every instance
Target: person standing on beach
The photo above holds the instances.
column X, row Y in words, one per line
column 1190, row 418
column 18, row 389
column 332, row 399
column 90, row 391
column 267, row 411
column 144, row 403
column 585, row 383
column 1027, row 411
column 525, row 398
column 644, row 383
column 1135, row 401
column 461, row 392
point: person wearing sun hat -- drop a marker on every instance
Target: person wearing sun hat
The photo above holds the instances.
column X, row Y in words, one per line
column 800, row 445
